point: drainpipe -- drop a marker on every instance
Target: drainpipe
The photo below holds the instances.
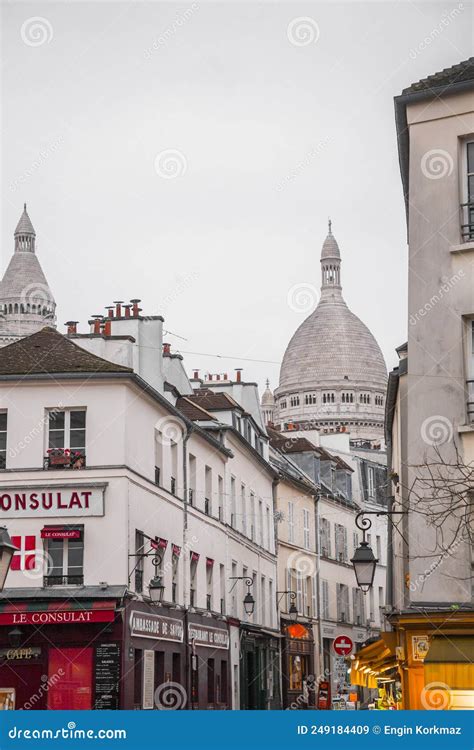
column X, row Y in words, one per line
column 186, row 437
column 389, row 581
column 318, row 581
column 275, row 534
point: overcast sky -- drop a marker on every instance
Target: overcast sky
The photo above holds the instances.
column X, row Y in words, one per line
column 268, row 123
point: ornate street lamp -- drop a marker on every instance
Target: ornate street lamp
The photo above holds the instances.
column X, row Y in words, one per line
column 156, row 589
column 7, row 549
column 364, row 560
column 249, row 601
column 293, row 609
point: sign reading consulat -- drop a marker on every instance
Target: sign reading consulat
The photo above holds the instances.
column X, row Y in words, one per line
column 46, row 500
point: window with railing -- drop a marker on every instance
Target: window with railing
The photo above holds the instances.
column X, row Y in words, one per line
column 66, row 439
column 467, row 208
column 470, row 371
column 65, row 562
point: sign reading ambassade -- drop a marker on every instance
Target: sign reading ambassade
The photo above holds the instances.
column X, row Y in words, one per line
column 44, row 501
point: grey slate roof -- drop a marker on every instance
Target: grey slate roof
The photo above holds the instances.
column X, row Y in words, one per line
column 49, row 352
column 459, row 73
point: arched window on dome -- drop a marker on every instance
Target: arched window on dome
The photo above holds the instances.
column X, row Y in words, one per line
column 294, row 400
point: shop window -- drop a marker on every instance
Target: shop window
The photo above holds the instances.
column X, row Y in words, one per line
column 67, row 430
column 159, row 668
column 73, row 691
column 176, row 667
column 211, row 678
column 3, row 439
column 65, row 562
column 297, row 672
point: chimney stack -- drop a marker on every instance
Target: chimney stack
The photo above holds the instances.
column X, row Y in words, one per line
column 127, row 310
column 106, row 327
column 110, row 311
column 118, row 308
column 238, row 376
column 135, row 308
column 71, row 326
column 96, row 322
column 166, row 349
column 196, row 375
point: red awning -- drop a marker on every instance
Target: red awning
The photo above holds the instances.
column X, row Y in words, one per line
column 61, row 532
column 159, row 543
column 209, row 562
column 194, row 556
column 176, row 550
column 56, row 613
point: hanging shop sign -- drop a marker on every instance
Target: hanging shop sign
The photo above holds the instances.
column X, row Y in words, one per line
column 159, row 627
column 420, row 647
column 44, row 501
column 203, row 635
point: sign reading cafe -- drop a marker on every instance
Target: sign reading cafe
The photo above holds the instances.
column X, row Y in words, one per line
column 36, row 502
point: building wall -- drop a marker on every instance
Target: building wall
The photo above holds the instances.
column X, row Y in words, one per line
column 441, row 298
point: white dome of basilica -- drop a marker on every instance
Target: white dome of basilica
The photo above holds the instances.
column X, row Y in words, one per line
column 333, row 372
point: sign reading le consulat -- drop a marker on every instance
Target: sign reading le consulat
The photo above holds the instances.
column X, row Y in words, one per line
column 18, row 502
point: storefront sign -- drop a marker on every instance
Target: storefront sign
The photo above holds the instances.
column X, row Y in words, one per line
column 60, row 532
column 22, row 502
column 63, row 617
column 107, row 676
column 203, row 635
column 148, row 679
column 420, row 644
column 20, row 654
column 143, row 625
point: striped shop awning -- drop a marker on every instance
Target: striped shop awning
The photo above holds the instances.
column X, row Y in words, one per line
column 57, row 612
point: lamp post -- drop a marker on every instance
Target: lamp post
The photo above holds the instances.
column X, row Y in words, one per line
column 364, row 561
column 156, row 587
column 293, row 609
column 7, row 550
column 249, row 601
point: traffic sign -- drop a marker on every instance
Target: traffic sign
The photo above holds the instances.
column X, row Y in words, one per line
column 343, row 645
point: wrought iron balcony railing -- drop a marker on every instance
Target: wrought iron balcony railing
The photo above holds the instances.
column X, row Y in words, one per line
column 467, row 222
column 470, row 401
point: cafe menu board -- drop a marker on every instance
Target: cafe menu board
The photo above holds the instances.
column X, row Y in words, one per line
column 107, row 676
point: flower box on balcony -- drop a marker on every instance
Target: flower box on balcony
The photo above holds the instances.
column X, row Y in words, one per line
column 65, row 458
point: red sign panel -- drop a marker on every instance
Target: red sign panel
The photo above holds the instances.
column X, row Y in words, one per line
column 57, row 617
column 343, row 645
column 58, row 532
